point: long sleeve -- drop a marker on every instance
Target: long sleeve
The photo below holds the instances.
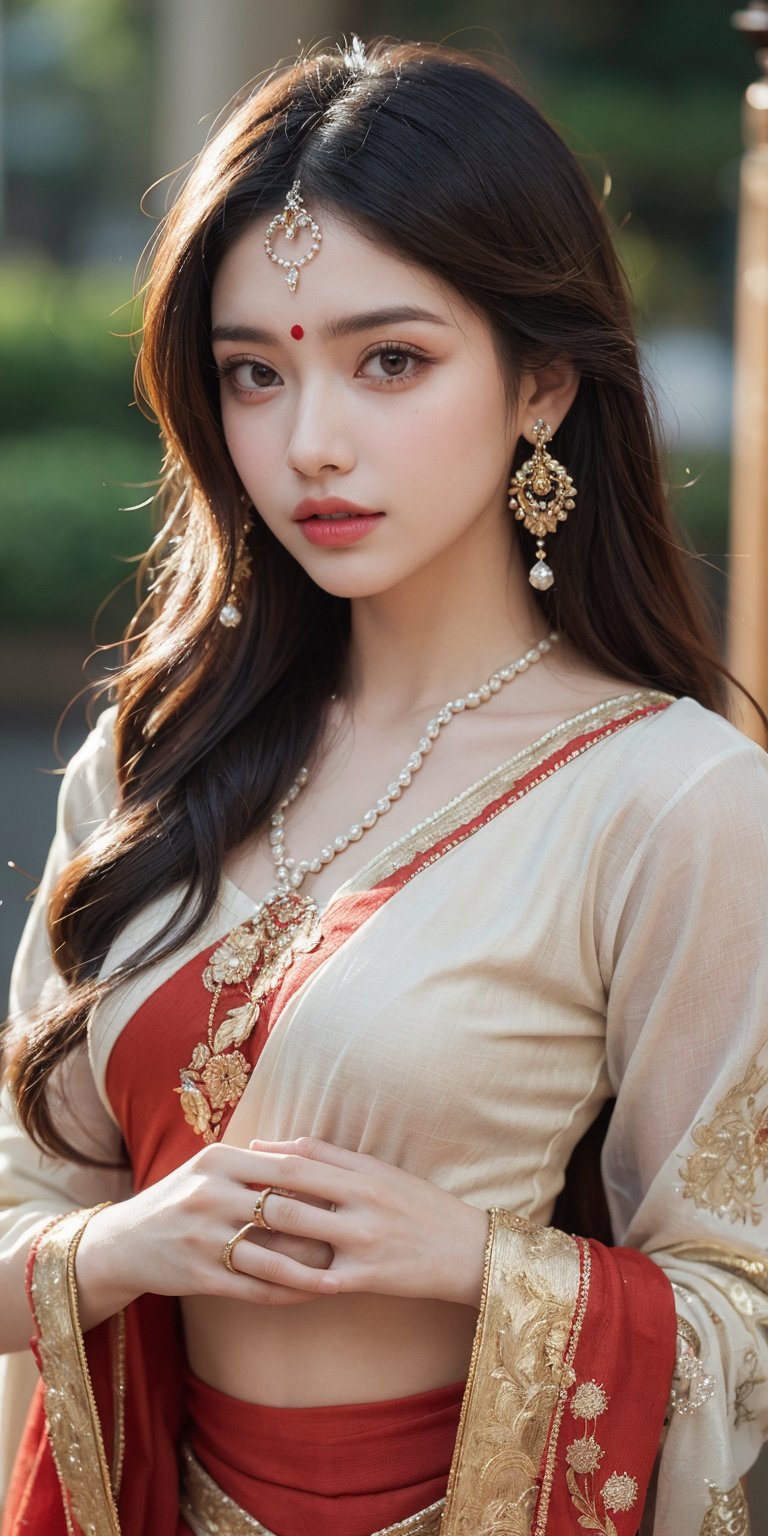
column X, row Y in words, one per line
column 34, row 1188
column 685, row 1162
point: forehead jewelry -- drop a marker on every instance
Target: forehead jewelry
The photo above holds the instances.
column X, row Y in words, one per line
column 293, row 217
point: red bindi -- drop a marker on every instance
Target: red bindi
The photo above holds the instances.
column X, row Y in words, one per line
column 297, row 331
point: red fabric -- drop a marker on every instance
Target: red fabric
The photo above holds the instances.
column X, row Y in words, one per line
column 627, row 1347
column 334, row 1471
column 149, row 1500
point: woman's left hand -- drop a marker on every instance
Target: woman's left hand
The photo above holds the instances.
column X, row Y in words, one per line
column 391, row 1233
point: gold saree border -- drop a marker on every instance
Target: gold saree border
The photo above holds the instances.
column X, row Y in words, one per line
column 532, row 1308
column 728, row 1514
column 618, row 712
column 74, row 1430
column 211, row 1512
column 742, row 1264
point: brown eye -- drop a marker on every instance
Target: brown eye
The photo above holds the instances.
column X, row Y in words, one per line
column 254, row 376
column 393, row 363
column 389, row 364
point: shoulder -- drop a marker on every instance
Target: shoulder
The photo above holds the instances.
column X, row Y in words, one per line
column 686, row 755
column 89, row 787
column 679, row 794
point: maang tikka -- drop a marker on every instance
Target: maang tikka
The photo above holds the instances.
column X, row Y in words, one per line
column 294, row 216
column 231, row 614
column 541, row 494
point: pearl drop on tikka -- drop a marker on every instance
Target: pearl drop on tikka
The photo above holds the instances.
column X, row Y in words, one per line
column 289, row 875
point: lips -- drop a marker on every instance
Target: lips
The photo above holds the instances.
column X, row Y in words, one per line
column 330, row 509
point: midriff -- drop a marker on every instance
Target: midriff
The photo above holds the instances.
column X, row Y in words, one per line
column 340, row 1349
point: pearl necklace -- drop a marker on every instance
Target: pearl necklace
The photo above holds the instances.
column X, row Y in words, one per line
column 289, row 875
column 257, row 953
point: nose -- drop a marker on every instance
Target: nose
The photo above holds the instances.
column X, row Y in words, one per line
column 319, row 439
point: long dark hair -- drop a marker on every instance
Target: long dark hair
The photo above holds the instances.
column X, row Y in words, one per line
column 435, row 156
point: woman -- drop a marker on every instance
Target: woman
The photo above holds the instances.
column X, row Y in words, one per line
column 411, row 484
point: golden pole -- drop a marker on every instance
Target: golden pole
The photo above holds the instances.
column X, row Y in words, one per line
column 748, row 563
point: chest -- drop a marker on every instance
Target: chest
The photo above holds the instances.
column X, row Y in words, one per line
column 367, row 790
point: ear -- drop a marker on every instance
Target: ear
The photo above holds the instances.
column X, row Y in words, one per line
column 547, row 395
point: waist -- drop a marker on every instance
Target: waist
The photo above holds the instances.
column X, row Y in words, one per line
column 342, row 1349
column 345, row 1470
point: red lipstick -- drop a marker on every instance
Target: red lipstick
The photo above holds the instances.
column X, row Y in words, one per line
column 333, row 522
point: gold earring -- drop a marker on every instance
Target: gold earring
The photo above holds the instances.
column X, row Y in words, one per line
column 231, row 614
column 541, row 494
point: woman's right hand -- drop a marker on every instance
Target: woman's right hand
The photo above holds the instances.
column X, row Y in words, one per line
column 169, row 1240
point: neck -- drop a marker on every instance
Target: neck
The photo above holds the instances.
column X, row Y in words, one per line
column 439, row 635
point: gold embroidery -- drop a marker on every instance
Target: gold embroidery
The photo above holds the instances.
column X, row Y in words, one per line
column 472, row 802
column 210, row 1510
column 118, row 1402
column 692, row 1386
column 619, row 1491
column 728, row 1516
column 743, row 1414
column 74, row 1430
column 732, row 1152
column 567, row 1381
column 746, row 1266
column 519, row 1368
column 267, row 945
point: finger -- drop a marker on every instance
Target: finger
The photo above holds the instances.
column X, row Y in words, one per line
column 293, row 1216
column 243, row 1287
column 277, row 1270
column 296, row 1172
column 320, row 1151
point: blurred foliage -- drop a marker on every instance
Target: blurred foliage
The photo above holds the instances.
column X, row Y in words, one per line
column 73, row 449
column 65, row 349
column 71, row 529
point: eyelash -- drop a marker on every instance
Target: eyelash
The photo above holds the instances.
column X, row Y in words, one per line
column 226, row 371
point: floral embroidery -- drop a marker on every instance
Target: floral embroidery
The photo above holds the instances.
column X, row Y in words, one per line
column 692, row 1386
column 619, row 1491
column 729, row 1515
column 732, row 1152
column 589, row 1401
column 266, row 945
column 534, row 1296
column 74, row 1430
column 584, row 1455
column 743, row 1414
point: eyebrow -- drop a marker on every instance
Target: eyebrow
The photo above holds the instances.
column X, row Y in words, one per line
column 333, row 330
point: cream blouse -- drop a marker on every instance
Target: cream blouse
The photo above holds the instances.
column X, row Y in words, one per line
column 603, row 933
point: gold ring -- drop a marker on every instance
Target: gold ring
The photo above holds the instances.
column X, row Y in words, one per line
column 258, row 1218
column 229, row 1247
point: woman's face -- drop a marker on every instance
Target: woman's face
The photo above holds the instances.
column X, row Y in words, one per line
column 372, row 384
